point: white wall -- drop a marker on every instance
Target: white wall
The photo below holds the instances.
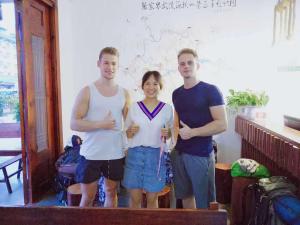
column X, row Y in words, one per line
column 234, row 45
column 67, row 50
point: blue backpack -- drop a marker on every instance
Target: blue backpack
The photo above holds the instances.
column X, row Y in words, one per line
column 287, row 208
column 274, row 202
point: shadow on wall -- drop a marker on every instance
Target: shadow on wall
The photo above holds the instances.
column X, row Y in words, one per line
column 229, row 142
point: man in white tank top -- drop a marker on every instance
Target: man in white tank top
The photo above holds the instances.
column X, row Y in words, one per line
column 99, row 111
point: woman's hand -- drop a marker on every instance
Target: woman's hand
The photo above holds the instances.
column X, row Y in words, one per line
column 132, row 130
column 165, row 132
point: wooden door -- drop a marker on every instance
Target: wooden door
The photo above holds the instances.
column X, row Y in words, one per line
column 39, row 93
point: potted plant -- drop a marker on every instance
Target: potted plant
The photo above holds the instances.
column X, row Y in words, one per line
column 247, row 102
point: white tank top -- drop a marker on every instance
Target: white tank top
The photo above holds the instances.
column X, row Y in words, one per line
column 102, row 144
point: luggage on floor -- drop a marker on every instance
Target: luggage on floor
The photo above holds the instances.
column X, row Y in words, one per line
column 273, row 202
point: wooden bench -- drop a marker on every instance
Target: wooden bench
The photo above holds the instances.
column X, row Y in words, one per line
column 107, row 216
column 17, row 158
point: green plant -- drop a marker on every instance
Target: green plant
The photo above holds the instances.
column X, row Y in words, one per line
column 17, row 111
column 1, row 105
column 246, row 98
column 9, row 100
column 3, row 98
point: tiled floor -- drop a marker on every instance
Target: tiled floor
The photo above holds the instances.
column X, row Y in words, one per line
column 16, row 198
column 17, row 195
column 50, row 199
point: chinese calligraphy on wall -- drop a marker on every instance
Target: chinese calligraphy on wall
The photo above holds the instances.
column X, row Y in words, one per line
column 188, row 4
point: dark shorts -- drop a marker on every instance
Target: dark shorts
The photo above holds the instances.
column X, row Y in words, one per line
column 89, row 171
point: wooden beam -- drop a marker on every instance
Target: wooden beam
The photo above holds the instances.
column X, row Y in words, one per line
column 6, row 152
column 105, row 216
column 10, row 130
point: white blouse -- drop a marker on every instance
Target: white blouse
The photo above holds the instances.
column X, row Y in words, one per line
column 150, row 124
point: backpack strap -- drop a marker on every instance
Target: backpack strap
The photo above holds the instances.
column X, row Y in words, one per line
column 259, row 205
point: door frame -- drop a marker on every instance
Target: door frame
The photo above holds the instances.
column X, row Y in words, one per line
column 23, row 54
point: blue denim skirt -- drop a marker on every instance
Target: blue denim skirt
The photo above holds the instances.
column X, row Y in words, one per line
column 141, row 169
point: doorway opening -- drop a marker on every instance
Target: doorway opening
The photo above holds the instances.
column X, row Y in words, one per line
column 10, row 134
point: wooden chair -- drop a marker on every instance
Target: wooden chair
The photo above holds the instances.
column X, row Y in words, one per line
column 17, row 158
column 10, row 130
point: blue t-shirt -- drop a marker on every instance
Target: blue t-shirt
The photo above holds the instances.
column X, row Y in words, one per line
column 192, row 106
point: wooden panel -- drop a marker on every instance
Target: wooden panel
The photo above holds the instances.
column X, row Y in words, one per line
column 292, row 136
column 4, row 152
column 278, row 148
column 102, row 216
column 38, row 18
column 10, row 130
column 238, row 200
column 40, row 93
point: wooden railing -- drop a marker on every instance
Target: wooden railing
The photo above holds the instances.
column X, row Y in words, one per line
column 275, row 146
column 10, row 130
column 105, row 216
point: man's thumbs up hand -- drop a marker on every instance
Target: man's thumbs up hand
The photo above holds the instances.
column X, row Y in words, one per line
column 185, row 132
column 109, row 122
column 183, row 124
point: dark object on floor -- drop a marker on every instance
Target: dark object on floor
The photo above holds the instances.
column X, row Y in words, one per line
column 66, row 167
column 291, row 122
column 179, row 204
column 61, row 183
column 223, row 182
column 17, row 158
column 269, row 194
column 215, row 148
column 163, row 198
column 73, row 195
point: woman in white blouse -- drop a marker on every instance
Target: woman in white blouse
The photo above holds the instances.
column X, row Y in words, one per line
column 147, row 125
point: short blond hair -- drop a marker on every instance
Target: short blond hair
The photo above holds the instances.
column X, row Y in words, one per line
column 109, row 50
column 187, row 51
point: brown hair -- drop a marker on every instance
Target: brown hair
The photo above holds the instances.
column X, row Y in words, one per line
column 156, row 76
column 187, row 51
column 109, row 50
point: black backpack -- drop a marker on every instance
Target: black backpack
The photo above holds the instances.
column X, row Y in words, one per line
column 66, row 165
column 265, row 195
column 71, row 153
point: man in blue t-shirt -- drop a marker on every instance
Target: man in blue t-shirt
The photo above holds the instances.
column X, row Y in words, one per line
column 199, row 114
